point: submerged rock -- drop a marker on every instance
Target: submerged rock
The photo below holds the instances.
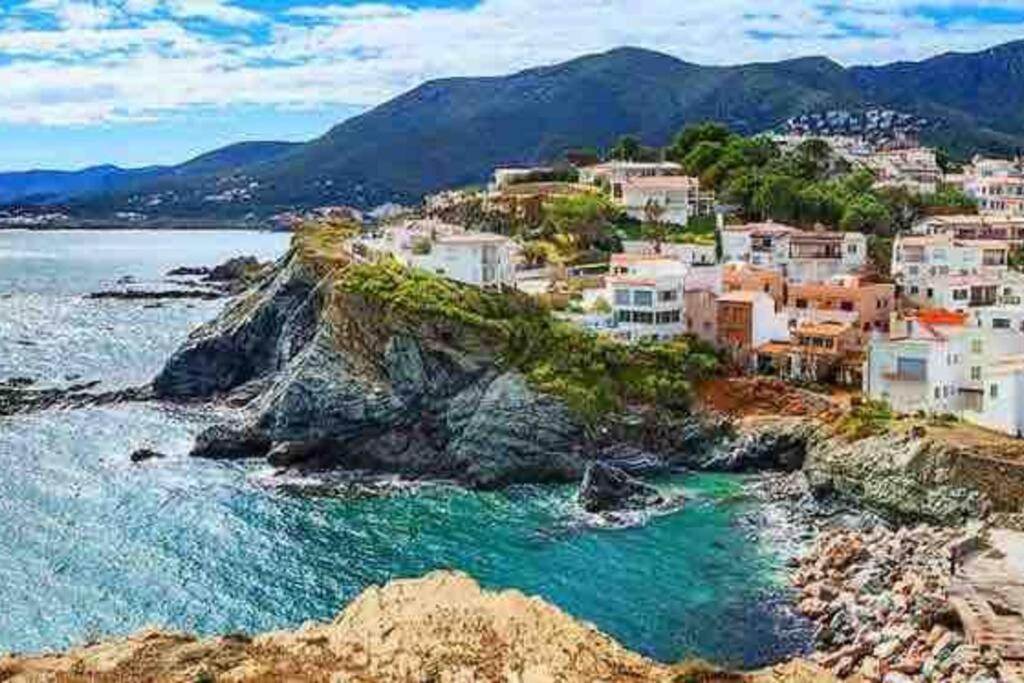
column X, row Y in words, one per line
column 606, row 488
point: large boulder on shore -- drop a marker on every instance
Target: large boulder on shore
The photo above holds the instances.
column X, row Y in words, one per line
column 224, row 442
column 606, row 488
column 781, row 447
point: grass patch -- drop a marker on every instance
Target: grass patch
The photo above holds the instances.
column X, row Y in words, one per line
column 867, row 418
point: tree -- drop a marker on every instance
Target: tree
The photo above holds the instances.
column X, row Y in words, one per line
column 654, row 228
column 581, row 221
column 777, row 198
column 702, row 157
column 626, row 149
column 692, row 135
column 866, row 214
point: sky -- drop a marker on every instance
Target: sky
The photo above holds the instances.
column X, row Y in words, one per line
column 141, row 82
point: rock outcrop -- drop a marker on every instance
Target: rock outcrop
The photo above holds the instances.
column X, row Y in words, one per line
column 442, row 628
column 606, row 488
column 327, row 380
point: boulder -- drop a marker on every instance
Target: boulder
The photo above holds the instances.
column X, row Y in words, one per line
column 144, row 454
column 606, row 488
column 224, row 442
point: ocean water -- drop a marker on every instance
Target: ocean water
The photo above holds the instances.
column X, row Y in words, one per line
column 91, row 544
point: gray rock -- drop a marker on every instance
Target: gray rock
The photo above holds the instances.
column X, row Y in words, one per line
column 224, row 442
column 144, row 454
column 606, row 488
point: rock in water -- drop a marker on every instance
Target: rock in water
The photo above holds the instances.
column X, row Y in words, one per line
column 606, row 488
column 144, row 454
column 222, row 442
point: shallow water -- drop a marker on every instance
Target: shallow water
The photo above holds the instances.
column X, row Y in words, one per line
column 92, row 544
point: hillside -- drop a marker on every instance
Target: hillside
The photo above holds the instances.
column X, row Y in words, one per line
column 53, row 187
column 452, row 132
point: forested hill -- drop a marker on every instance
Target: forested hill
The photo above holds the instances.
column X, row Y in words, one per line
column 452, row 132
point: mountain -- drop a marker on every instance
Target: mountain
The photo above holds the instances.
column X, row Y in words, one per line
column 452, row 132
column 54, row 187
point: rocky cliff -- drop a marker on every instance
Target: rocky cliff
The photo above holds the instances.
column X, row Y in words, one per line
column 326, row 379
column 442, row 628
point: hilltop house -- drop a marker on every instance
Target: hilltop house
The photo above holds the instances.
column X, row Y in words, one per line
column 482, row 259
column 690, row 254
column 614, row 174
column 915, row 169
column 992, row 227
column 801, row 255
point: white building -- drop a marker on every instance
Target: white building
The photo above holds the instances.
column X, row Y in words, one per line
column 504, row 177
column 646, row 294
column 482, row 259
column 690, row 254
column 801, row 255
column 995, row 227
column 936, row 362
column 936, row 270
column 678, row 197
column 915, row 169
column 996, row 184
column 615, row 173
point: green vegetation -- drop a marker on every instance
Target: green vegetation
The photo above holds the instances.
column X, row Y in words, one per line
column 594, row 375
column 866, row 418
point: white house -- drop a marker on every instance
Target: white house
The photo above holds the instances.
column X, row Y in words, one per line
column 690, row 254
column 482, row 259
column 646, row 294
column 616, row 173
column 996, row 184
column 801, row 255
column 914, row 169
column 936, row 362
column 678, row 197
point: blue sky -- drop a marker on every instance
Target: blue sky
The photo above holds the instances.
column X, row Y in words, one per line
column 139, row 82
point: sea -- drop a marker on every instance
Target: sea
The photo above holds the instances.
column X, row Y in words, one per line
column 94, row 546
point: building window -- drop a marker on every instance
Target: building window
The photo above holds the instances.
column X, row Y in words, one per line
column 622, row 297
column 993, row 391
column 851, row 248
column 643, row 317
column 959, row 294
column 938, row 393
column 666, row 317
column 976, row 346
column 914, row 290
column 643, row 298
column 801, row 303
column 623, row 316
column 846, row 305
column 1000, row 323
column 931, row 293
column 668, row 295
column 912, row 368
column 976, row 373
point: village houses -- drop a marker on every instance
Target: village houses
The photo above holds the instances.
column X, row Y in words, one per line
column 800, row 255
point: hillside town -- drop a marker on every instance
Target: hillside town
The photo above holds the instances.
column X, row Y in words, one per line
column 940, row 333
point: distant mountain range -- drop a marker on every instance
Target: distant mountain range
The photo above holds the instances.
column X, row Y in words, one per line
column 452, row 132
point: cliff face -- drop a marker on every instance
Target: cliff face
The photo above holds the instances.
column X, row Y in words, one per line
column 441, row 628
column 328, row 380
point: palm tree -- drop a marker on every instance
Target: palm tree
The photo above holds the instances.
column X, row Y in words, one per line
column 654, row 228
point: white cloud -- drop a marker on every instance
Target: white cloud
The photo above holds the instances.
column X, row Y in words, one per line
column 120, row 59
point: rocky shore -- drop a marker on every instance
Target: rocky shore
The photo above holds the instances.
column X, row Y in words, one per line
column 881, row 602
column 232, row 277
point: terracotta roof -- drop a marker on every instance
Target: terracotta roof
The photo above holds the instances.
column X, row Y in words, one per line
column 741, row 296
column 829, row 328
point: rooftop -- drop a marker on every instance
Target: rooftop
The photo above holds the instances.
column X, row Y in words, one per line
column 672, row 182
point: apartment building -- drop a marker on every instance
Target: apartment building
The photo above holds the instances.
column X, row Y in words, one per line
column 935, row 270
column 915, row 169
column 996, row 184
column 800, row 255
column 967, row 227
column 646, row 294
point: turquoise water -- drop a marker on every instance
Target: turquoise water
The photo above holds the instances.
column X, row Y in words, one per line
column 92, row 544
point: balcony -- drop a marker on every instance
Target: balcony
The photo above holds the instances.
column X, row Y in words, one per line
column 904, row 377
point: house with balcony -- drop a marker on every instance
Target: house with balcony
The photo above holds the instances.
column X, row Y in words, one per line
column 800, row 255
column 937, row 362
column 677, row 197
column 996, row 184
column 915, row 169
column 968, row 227
column 646, row 295
column 824, row 352
column 937, row 270
column 863, row 304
